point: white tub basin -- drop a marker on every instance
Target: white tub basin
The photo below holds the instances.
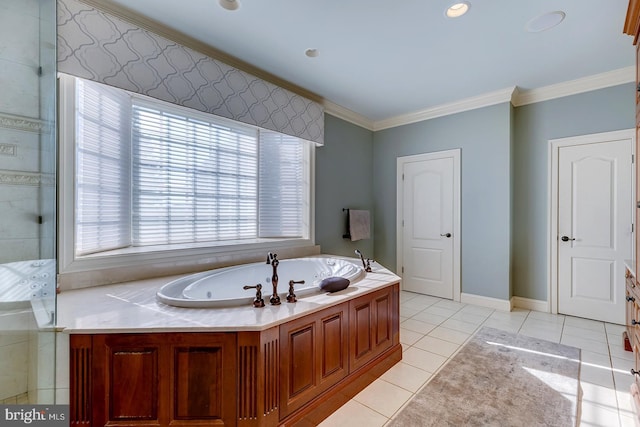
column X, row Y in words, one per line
column 224, row 287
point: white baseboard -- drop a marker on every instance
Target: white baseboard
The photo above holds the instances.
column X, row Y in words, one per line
column 495, row 303
column 530, row 304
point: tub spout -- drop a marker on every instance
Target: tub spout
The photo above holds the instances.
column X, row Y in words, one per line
column 273, row 260
column 366, row 264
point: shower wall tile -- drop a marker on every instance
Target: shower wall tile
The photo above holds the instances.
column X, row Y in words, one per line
column 19, row 37
column 12, row 337
column 25, row 7
column 42, row 397
column 62, row 361
column 46, row 351
column 41, row 363
column 12, row 250
column 19, row 321
column 62, row 396
column 48, row 155
column 25, row 155
column 13, row 343
column 13, row 369
column 32, row 363
column 19, row 88
column 47, row 248
column 19, row 210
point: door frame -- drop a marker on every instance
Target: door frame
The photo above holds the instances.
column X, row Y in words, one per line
column 552, row 226
column 401, row 161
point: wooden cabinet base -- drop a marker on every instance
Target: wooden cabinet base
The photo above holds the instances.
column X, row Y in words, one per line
column 296, row 373
column 341, row 393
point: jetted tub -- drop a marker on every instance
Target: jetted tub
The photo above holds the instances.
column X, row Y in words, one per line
column 223, row 287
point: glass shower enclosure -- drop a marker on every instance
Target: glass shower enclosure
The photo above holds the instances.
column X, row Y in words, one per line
column 27, row 201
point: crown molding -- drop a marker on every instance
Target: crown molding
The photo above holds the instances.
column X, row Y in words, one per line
column 486, row 100
column 574, row 87
column 346, row 114
column 516, row 96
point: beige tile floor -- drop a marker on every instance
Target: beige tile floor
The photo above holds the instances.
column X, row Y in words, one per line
column 433, row 329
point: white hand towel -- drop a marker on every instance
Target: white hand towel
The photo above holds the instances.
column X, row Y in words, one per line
column 359, row 224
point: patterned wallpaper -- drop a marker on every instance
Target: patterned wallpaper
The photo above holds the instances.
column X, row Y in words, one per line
column 100, row 47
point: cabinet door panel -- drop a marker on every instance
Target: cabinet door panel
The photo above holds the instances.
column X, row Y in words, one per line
column 314, row 353
column 198, row 383
column 332, row 355
column 383, row 321
column 371, row 326
column 302, row 360
column 362, row 331
column 133, row 385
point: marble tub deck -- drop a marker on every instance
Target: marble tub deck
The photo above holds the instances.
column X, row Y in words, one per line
column 132, row 307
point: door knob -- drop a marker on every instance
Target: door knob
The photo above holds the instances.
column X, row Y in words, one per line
column 446, row 235
column 566, row 239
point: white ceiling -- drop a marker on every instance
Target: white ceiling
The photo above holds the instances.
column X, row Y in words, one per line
column 382, row 59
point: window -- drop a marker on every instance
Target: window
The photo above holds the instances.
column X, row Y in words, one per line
column 193, row 180
column 103, row 165
column 148, row 174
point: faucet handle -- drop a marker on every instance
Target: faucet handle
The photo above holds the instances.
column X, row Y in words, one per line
column 368, row 266
column 258, row 301
column 291, row 297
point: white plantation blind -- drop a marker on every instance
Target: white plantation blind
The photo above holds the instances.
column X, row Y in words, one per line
column 282, row 185
column 193, row 180
column 103, row 168
column 149, row 173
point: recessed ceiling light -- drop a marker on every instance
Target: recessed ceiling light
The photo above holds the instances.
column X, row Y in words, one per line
column 311, row 53
column 229, row 4
column 458, row 9
column 545, row 21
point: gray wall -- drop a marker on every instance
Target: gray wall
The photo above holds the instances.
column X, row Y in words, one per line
column 592, row 112
column 343, row 180
column 504, row 182
column 485, row 141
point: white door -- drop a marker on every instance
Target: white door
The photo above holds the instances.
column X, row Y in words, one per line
column 594, row 228
column 429, row 226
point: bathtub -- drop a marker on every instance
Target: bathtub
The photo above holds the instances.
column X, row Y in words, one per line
column 223, row 287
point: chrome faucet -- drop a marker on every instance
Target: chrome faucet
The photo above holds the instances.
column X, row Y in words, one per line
column 273, row 260
column 365, row 264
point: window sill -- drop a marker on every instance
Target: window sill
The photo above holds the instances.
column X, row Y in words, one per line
column 128, row 264
column 178, row 249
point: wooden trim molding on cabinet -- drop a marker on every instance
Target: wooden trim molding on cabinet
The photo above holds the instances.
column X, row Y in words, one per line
column 80, row 380
column 632, row 20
